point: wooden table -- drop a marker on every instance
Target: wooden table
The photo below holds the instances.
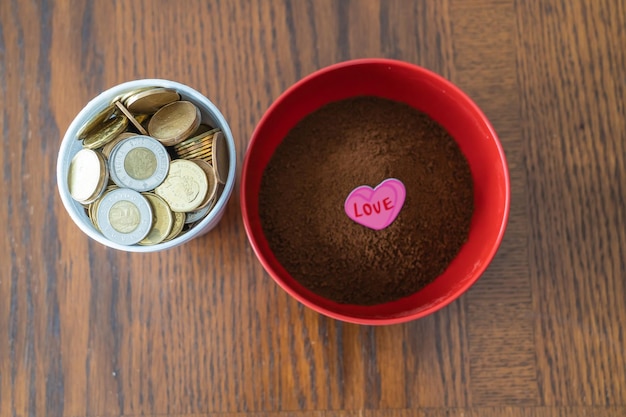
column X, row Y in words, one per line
column 202, row 330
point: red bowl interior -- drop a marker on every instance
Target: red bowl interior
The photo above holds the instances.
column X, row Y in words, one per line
column 442, row 101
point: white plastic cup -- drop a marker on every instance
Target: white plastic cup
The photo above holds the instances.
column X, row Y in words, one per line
column 70, row 146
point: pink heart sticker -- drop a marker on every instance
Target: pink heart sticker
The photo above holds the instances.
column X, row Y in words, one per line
column 378, row 207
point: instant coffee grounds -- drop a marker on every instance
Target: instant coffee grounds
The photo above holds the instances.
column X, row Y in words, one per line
column 351, row 143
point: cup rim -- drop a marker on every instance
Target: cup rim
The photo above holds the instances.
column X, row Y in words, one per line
column 102, row 100
column 450, row 88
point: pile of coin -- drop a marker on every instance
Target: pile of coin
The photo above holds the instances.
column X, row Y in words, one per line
column 150, row 168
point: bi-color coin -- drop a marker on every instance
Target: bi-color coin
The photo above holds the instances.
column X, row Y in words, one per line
column 124, row 216
column 139, row 162
column 106, row 149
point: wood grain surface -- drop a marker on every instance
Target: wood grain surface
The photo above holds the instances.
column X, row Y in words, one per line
column 201, row 330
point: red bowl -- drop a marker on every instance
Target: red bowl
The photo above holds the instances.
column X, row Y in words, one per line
column 441, row 100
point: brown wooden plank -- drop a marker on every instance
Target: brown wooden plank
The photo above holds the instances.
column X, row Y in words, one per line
column 434, row 412
column 572, row 72
column 500, row 315
column 29, row 246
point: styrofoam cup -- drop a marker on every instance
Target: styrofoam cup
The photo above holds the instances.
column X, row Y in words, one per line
column 70, row 146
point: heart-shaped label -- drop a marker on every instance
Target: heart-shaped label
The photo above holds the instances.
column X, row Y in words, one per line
column 378, row 207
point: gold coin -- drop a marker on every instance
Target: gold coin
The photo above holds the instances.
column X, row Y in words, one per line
column 106, row 133
column 184, row 153
column 131, row 118
column 106, row 149
column 125, row 96
column 185, row 186
column 84, row 175
column 95, row 122
column 174, row 122
column 162, row 220
column 198, row 154
column 179, row 223
column 201, row 154
column 205, row 144
column 212, row 180
column 91, row 211
column 205, row 138
column 190, row 154
column 142, row 118
column 187, row 154
column 103, row 181
column 220, row 157
column 203, row 128
column 150, row 101
column 188, row 143
column 93, row 207
column 186, row 229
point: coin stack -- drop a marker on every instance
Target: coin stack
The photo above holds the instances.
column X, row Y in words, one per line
column 150, row 168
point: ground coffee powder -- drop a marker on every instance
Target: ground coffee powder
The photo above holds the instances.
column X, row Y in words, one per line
column 363, row 141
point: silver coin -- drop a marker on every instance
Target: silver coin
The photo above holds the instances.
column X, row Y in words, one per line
column 111, row 157
column 139, row 162
column 220, row 157
column 124, row 216
column 194, row 216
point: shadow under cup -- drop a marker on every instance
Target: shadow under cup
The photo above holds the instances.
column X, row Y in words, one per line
column 442, row 101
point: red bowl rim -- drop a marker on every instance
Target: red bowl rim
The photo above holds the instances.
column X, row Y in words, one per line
column 360, row 320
